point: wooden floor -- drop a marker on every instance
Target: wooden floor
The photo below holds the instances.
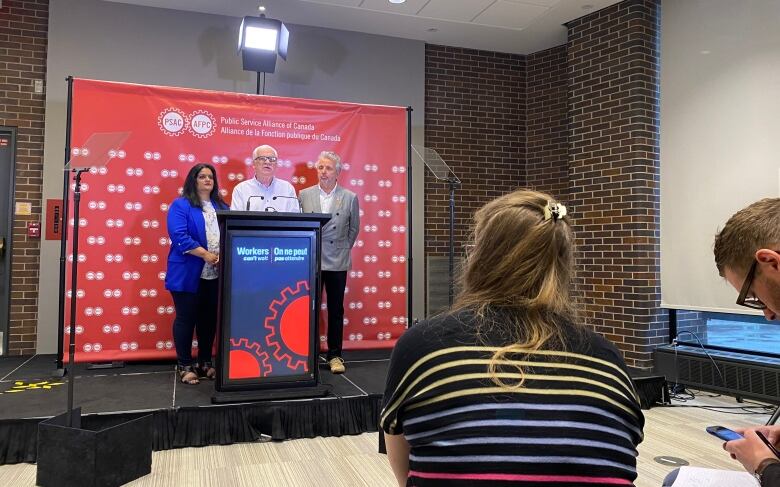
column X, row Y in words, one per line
column 353, row 461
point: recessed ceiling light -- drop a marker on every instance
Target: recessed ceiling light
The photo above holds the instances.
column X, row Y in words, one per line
column 397, row 1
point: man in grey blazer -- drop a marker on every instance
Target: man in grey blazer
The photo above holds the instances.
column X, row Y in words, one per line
column 338, row 237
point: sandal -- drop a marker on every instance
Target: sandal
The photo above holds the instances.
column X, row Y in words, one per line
column 187, row 374
column 207, row 371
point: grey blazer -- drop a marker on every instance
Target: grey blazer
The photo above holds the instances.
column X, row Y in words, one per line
column 340, row 233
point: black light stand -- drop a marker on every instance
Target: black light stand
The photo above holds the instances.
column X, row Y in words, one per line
column 409, row 223
column 60, row 367
column 73, row 290
column 258, row 91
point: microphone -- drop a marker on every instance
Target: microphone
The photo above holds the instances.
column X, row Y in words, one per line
column 300, row 210
column 249, row 200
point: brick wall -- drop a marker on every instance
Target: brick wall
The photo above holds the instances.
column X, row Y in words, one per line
column 23, row 37
column 587, row 123
column 614, row 173
column 474, row 119
column 547, row 141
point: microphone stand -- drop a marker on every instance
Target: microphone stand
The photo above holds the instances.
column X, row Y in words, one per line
column 249, row 200
column 73, row 290
column 300, row 208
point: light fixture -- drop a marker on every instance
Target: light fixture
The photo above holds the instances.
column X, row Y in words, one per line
column 260, row 40
column 397, row 1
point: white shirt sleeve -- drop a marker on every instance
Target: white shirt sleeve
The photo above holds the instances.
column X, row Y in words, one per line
column 237, row 200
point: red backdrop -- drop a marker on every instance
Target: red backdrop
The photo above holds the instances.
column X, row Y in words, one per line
column 123, row 309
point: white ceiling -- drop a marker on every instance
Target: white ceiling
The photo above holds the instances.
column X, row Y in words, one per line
column 514, row 26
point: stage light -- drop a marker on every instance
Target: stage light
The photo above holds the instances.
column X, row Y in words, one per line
column 260, row 40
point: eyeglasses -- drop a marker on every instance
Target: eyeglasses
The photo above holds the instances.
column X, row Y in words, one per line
column 749, row 301
column 205, row 176
column 265, row 159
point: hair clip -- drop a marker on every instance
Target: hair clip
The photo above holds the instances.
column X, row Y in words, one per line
column 556, row 211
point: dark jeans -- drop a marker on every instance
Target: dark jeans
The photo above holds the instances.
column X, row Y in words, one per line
column 195, row 312
column 334, row 283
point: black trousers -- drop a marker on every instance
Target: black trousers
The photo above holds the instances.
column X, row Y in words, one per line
column 334, row 283
column 195, row 312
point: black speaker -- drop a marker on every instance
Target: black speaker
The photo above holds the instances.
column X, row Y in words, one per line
column 652, row 389
column 112, row 456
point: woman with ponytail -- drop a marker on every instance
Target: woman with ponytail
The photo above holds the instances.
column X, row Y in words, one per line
column 509, row 386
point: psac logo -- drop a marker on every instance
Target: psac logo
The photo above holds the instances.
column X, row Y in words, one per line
column 174, row 122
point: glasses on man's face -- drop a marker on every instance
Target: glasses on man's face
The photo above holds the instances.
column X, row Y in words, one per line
column 749, row 301
column 205, row 176
column 265, row 159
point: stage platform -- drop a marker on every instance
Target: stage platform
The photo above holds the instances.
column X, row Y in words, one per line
column 183, row 415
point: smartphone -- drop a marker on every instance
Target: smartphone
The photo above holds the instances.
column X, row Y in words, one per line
column 724, row 434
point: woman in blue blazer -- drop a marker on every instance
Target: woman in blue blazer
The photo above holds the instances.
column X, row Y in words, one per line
column 192, row 270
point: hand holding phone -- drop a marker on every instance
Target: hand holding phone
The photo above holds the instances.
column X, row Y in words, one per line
column 723, row 433
column 726, row 434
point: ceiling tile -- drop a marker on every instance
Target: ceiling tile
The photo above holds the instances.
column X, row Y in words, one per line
column 346, row 3
column 540, row 3
column 543, row 31
column 409, row 7
column 510, row 15
column 457, row 11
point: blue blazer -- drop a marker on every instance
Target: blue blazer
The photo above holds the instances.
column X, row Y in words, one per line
column 187, row 231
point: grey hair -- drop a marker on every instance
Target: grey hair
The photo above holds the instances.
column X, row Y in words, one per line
column 264, row 146
column 332, row 156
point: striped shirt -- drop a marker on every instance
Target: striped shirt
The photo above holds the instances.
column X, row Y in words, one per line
column 575, row 421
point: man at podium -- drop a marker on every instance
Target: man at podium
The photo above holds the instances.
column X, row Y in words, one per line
column 338, row 237
column 264, row 192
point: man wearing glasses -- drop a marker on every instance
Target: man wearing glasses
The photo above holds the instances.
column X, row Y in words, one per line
column 747, row 254
column 264, row 192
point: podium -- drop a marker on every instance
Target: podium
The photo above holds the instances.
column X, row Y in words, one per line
column 269, row 301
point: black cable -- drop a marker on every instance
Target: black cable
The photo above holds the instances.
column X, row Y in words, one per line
column 758, row 408
column 717, row 409
column 674, row 394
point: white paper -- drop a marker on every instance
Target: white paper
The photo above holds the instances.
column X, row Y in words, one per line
column 710, row 477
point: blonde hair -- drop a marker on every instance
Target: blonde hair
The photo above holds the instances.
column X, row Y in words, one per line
column 752, row 228
column 517, row 275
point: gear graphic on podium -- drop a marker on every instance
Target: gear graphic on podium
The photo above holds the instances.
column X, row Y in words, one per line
column 248, row 360
column 288, row 326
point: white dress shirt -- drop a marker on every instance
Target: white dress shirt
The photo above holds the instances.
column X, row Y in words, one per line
column 326, row 199
column 278, row 196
